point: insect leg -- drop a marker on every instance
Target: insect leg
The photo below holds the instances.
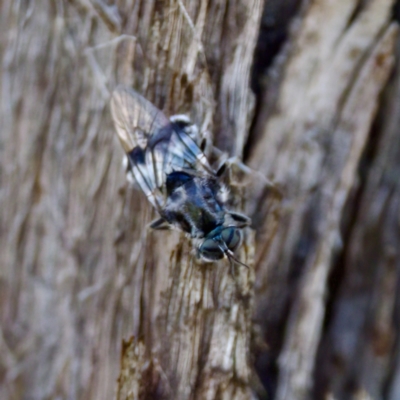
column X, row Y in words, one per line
column 229, row 164
column 240, row 219
column 160, row 224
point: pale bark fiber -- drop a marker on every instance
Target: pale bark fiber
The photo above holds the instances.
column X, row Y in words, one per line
column 95, row 306
column 80, row 270
column 340, row 57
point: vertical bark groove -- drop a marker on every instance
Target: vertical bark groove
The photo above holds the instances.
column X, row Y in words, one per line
column 93, row 305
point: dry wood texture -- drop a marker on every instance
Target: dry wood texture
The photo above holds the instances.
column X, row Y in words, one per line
column 95, row 306
column 312, row 147
column 80, row 271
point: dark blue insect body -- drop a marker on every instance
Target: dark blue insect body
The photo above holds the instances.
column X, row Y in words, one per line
column 170, row 168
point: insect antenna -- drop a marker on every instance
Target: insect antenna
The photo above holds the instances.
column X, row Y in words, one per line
column 231, row 256
column 231, row 270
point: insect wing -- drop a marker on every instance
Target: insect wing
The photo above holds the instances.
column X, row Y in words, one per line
column 185, row 151
column 135, row 118
column 172, row 149
column 155, row 145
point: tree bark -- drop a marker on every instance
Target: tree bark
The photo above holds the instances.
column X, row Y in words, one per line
column 312, row 145
column 93, row 305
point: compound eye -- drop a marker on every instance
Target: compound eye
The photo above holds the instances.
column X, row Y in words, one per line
column 232, row 238
column 210, row 250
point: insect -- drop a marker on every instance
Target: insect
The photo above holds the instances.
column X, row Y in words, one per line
column 170, row 167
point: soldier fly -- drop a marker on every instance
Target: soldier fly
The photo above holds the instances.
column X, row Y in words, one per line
column 170, row 167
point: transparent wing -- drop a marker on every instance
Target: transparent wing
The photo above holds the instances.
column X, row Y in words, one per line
column 155, row 145
column 172, row 149
column 135, row 118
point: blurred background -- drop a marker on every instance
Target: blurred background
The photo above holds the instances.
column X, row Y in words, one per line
column 94, row 306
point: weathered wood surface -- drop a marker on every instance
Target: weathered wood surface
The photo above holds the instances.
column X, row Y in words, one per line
column 80, row 270
column 338, row 62
column 317, row 313
column 366, row 303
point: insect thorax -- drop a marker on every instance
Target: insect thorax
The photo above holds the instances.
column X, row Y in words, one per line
column 193, row 203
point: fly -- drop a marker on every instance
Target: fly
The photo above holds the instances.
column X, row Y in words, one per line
column 169, row 166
